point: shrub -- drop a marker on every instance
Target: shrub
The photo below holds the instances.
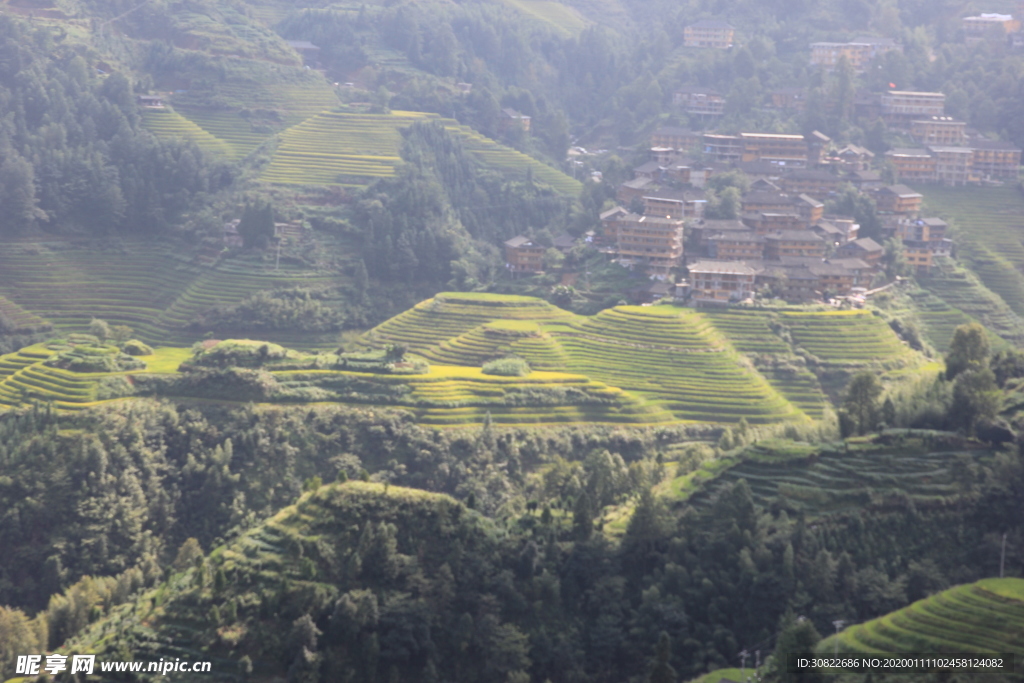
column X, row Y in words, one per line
column 507, row 367
column 133, row 347
column 239, row 353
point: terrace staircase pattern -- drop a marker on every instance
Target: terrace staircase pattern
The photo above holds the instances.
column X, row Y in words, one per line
column 986, row 617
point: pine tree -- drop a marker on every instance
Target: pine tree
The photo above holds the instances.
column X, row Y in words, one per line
column 662, row 671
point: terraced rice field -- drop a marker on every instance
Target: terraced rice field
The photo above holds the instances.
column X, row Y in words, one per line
column 961, row 290
column 229, row 282
column 672, row 358
column 72, row 286
column 844, row 336
column 749, row 331
column 24, row 378
column 463, row 395
column 499, row 339
column 512, row 162
column 228, row 127
column 835, row 481
column 564, row 19
column 451, row 314
column 340, row 149
column 687, row 362
column 336, row 148
column 990, row 225
column 149, row 288
column 938, row 319
column 21, row 319
column 167, row 123
column 305, row 96
column 986, row 617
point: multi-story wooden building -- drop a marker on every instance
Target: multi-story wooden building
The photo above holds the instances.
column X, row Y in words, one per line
column 699, row 101
column 709, row 33
column 805, row 243
column 938, row 130
column 858, row 52
column 866, row 249
column 919, row 255
column 952, row 164
column 765, row 222
column 898, row 199
column 788, row 99
column 723, row 148
column 808, row 208
column 990, row 27
column 676, row 204
column 721, row 281
column 736, row 246
column 776, row 148
column 819, row 184
column 995, row 159
column 653, row 242
column 679, row 139
column 912, row 164
column 855, row 158
column 827, row 55
column 904, row 106
column 766, row 200
column 524, row 256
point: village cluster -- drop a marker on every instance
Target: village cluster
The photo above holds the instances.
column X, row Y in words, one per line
column 782, row 242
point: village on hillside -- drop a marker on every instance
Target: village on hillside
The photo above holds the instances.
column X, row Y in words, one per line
column 774, row 235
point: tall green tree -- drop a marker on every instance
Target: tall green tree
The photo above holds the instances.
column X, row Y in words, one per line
column 662, row 671
column 861, row 402
column 968, row 350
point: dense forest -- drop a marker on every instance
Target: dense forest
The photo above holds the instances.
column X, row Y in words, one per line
column 535, row 588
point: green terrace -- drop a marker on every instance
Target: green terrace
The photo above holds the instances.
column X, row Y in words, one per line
column 229, row 127
column 451, row 314
column 20, row 318
column 841, row 478
column 338, row 148
column 499, row 339
column 167, row 123
column 938, row 319
column 675, row 359
column 562, row 18
column 986, row 617
column 149, row 288
column 692, row 364
column 989, row 224
column 628, row 364
column 960, row 289
column 461, row 395
column 844, row 337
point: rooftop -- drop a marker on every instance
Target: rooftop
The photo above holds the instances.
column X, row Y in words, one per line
column 902, row 191
column 907, row 152
column 519, row 241
column 713, row 24
column 795, row 236
column 722, row 267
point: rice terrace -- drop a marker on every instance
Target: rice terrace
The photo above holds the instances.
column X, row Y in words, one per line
column 629, row 364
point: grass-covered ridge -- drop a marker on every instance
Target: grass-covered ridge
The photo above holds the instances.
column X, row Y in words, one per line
column 702, row 367
column 625, row 365
column 901, row 467
column 348, row 149
column 989, row 228
column 338, row 540
column 986, row 617
column 149, row 287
